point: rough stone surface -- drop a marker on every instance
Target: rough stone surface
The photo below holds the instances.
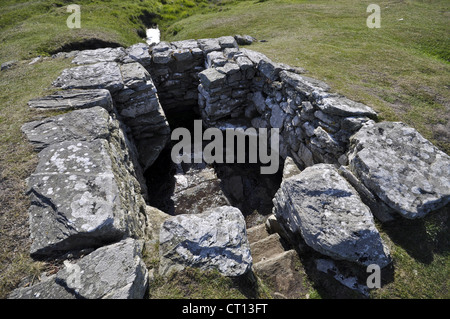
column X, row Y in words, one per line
column 320, row 206
column 344, row 107
column 110, row 272
column 86, row 189
column 138, row 53
column 216, row 239
column 401, row 167
column 197, row 189
column 138, row 104
column 99, row 55
column 102, row 75
column 83, row 125
column 74, row 99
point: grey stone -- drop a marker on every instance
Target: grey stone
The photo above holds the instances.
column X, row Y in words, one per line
column 8, row 65
column 401, row 167
column 379, row 209
column 135, row 76
column 305, row 154
column 185, row 44
column 83, row 194
column 254, row 56
column 110, row 272
column 162, row 57
column 290, row 168
column 82, row 125
column 211, row 78
column 99, row 55
column 138, row 52
column 74, row 99
column 227, row 42
column 216, row 239
column 323, row 208
column 305, row 85
column 208, row 45
column 277, row 116
column 269, row 69
column 102, row 75
column 342, row 106
column 244, row 39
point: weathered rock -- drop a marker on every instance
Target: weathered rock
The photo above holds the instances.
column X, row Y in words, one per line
column 290, row 168
column 138, row 53
column 338, row 105
column 7, row 65
column 74, row 99
column 86, row 189
column 401, row 167
column 76, row 199
column 244, row 39
column 99, row 55
column 305, row 85
column 212, row 78
column 208, row 45
column 320, row 206
column 102, row 75
column 215, row 239
column 197, row 189
column 111, row 272
column 82, row 125
column 139, row 106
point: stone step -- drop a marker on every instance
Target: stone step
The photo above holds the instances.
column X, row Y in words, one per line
column 284, row 274
column 257, row 233
column 266, row 248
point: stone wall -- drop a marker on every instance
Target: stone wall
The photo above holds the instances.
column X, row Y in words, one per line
column 88, row 191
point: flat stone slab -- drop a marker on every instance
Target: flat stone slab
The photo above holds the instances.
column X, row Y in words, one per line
column 342, row 106
column 99, row 55
column 216, row 239
column 401, row 167
column 74, row 198
column 102, row 75
column 110, row 272
column 83, row 125
column 323, row 208
column 74, row 99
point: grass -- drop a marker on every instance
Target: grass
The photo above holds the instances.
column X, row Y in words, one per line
column 401, row 70
column 17, row 162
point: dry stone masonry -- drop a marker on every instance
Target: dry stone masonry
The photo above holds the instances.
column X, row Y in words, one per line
column 88, row 192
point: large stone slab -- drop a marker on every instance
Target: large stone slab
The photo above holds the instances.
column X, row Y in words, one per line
column 341, row 106
column 102, row 75
column 216, row 239
column 74, row 99
column 75, row 199
column 111, row 272
column 83, row 125
column 99, row 55
column 88, row 188
column 401, row 167
column 321, row 206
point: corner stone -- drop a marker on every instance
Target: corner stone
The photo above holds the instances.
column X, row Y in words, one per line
column 216, row 239
column 321, row 206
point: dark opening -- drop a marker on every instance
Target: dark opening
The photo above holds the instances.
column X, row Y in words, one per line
column 86, row 44
column 193, row 188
